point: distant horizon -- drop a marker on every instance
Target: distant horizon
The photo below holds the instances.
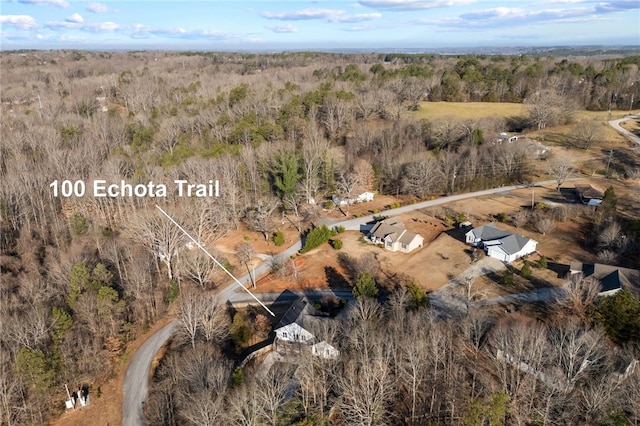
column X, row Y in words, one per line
column 316, row 25
column 491, row 50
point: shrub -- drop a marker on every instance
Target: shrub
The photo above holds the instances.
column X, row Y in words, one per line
column 507, row 278
column 278, row 238
column 317, row 237
column 525, row 272
column 173, row 292
column 501, row 217
column 542, row 263
column 337, row 244
column 239, row 331
column 79, row 224
column 340, row 229
column 394, row 205
column 365, row 287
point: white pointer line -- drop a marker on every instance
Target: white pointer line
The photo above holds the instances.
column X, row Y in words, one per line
column 214, row 259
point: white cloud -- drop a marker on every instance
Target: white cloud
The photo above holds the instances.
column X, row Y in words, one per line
column 572, row 12
column 358, row 17
column 285, row 28
column 56, row 3
column 82, row 26
column 97, row 8
column 304, row 14
column 75, row 18
column 329, row 15
column 404, row 5
column 23, row 22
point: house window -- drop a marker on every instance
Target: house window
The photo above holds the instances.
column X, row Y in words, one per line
column 389, row 244
column 404, row 247
column 284, row 334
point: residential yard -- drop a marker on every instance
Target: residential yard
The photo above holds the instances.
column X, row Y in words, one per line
column 445, row 255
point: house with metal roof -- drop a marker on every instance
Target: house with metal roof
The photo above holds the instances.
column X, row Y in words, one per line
column 394, row 236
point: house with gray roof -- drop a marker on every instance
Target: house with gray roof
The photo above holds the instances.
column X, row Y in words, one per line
column 612, row 278
column 394, row 236
column 484, row 233
column 500, row 244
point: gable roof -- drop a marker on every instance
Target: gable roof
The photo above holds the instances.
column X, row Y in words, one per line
column 513, row 243
column 489, row 232
column 610, row 277
column 392, row 229
column 293, row 314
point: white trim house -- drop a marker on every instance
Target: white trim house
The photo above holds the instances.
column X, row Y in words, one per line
column 500, row 244
column 394, row 236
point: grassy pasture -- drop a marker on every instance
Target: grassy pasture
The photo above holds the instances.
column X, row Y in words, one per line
column 479, row 110
column 434, row 110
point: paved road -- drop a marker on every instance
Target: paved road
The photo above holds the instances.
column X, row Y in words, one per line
column 616, row 125
column 136, row 380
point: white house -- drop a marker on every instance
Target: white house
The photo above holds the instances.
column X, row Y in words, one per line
column 511, row 247
column 484, row 233
column 291, row 327
column 325, row 350
column 500, row 244
column 394, row 236
column 293, row 333
column 362, row 198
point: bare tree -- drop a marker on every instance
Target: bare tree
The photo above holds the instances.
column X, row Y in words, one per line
column 258, row 216
column 193, row 307
column 585, row 133
column 161, row 237
column 520, row 218
column 579, row 292
column 244, row 254
column 544, row 224
column 561, row 168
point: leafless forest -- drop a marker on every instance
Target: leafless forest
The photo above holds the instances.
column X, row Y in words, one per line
column 82, row 276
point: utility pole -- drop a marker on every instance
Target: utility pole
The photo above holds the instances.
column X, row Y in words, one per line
column 532, row 198
column 631, row 103
column 606, row 173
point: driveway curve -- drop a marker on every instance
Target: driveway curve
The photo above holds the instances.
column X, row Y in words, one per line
column 136, row 379
column 627, row 134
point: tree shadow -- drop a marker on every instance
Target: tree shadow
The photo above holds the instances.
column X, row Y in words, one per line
column 335, row 280
column 517, row 123
column 559, row 268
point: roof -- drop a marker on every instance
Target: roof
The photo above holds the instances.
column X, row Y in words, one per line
column 489, row 232
column 610, row 277
column 395, row 230
column 513, row 243
column 392, row 228
column 589, row 191
column 293, row 314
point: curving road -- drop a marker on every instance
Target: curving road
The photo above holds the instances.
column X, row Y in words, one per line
column 136, row 379
column 627, row 134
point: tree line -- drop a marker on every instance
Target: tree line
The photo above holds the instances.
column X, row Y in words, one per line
column 81, row 277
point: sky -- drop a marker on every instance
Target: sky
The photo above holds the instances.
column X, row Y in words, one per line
column 263, row 25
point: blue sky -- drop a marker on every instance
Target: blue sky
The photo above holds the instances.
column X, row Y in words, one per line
column 317, row 25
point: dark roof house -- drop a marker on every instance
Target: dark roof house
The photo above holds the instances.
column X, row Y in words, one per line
column 612, row 278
